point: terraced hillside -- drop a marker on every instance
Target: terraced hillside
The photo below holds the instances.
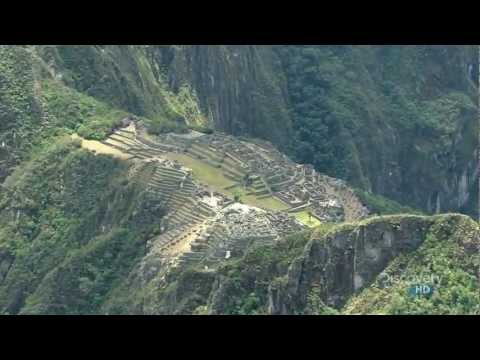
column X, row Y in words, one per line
column 138, row 179
column 222, row 195
column 375, row 116
column 257, row 174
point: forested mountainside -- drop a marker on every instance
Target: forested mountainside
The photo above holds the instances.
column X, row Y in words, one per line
column 98, row 218
column 400, row 121
column 74, row 239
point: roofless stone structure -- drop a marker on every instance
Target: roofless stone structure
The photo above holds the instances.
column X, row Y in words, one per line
column 203, row 223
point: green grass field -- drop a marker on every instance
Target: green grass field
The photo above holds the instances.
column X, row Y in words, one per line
column 270, row 203
column 204, row 172
column 305, row 219
column 215, row 178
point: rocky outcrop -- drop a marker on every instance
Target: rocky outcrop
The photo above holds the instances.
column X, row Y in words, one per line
column 240, row 88
column 6, row 261
column 345, row 261
column 406, row 116
column 334, row 269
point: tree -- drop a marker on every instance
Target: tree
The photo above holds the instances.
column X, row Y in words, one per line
column 237, row 196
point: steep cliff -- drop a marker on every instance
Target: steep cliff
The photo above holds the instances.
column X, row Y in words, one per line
column 360, row 268
column 381, row 260
column 239, row 88
column 400, row 121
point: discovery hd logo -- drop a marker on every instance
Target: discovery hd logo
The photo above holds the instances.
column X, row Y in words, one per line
column 421, row 290
column 423, row 285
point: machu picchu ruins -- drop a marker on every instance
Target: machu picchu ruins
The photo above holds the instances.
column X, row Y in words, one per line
column 275, row 179
column 256, row 196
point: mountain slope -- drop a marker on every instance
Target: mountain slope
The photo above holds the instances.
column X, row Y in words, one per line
column 86, row 232
column 72, row 223
column 400, row 121
column 367, row 267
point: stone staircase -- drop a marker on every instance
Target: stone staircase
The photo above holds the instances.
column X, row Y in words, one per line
column 207, row 249
column 186, row 211
column 167, row 239
column 233, row 169
column 141, row 139
column 180, row 223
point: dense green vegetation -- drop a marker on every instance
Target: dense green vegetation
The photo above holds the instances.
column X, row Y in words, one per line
column 127, row 78
column 202, row 129
column 165, row 126
column 110, row 74
column 392, row 120
column 67, row 245
column 20, row 113
column 398, row 122
column 379, row 205
column 448, row 262
column 386, row 118
column 245, row 289
column 34, row 108
column 244, row 282
column 72, row 110
column 316, row 92
column 71, row 226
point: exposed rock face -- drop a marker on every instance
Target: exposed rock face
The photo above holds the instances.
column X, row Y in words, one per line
column 6, row 260
column 338, row 266
column 390, row 102
column 344, row 262
column 241, row 88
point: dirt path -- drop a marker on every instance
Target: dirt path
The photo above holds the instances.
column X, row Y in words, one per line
column 184, row 245
column 100, row 148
